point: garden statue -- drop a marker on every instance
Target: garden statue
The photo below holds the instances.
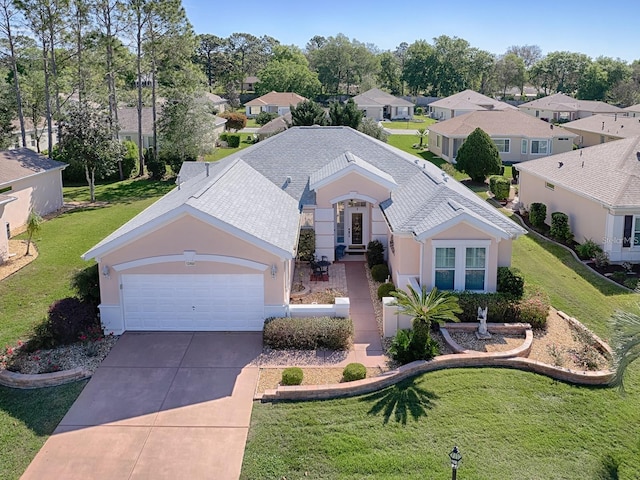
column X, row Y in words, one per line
column 482, row 332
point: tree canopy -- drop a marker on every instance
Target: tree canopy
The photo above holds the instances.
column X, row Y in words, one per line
column 478, row 156
column 307, row 113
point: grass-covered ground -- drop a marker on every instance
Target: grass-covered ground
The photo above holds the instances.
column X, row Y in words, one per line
column 419, row 121
column 27, row 418
column 220, row 153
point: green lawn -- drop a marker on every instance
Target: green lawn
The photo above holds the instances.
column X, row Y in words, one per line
column 419, row 121
column 221, row 153
column 406, row 143
column 28, row 417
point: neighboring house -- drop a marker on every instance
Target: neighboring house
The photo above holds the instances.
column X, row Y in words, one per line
column 273, row 102
column 218, row 252
column 598, row 188
column 219, row 103
column 562, row 108
column 518, row 136
column 633, row 111
column 36, row 136
column 464, row 102
column 527, row 93
column 249, row 83
column 598, row 129
column 128, row 125
column 28, row 181
column 277, row 125
column 380, row 105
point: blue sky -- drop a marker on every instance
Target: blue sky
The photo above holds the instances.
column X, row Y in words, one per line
column 583, row 26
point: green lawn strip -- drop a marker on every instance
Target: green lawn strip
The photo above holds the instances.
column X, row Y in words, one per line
column 507, row 423
column 418, row 122
column 27, row 418
column 220, row 153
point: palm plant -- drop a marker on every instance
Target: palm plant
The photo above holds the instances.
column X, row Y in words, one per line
column 422, row 134
column 427, row 307
column 626, row 344
column 33, row 226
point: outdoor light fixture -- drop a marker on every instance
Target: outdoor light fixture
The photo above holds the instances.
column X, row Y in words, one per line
column 274, row 270
column 456, row 458
column 105, row 271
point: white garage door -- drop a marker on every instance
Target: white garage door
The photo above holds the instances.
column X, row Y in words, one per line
column 193, row 302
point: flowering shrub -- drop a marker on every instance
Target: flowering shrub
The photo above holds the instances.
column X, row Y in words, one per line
column 534, row 310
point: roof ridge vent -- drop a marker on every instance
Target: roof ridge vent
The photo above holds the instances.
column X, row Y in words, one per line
column 350, row 157
column 455, row 205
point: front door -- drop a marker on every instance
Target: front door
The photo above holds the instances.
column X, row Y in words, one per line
column 357, row 220
column 356, row 228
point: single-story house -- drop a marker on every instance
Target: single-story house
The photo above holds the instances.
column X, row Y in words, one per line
column 527, row 93
column 633, row 111
column 598, row 129
column 218, row 252
column 273, row 102
column 219, row 103
column 277, row 125
column 381, row 105
column 36, row 135
column 28, row 181
column 249, row 83
column 560, row 107
column 518, row 136
column 464, row 102
column 597, row 187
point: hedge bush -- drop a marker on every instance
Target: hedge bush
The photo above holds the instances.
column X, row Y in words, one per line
column 233, row 140
column 499, row 186
column 588, row 249
column 292, row 376
column 375, row 253
column 307, row 244
column 380, row 272
column 308, row 333
column 70, row 318
column 86, row 284
column 534, row 310
column 156, row 167
column 408, row 346
column 510, row 281
column 538, row 214
column 385, row 290
column 265, row 117
column 504, row 308
column 560, row 227
column 353, row 372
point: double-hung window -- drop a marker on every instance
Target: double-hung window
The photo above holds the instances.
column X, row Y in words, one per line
column 540, row 147
column 503, row 144
column 461, row 264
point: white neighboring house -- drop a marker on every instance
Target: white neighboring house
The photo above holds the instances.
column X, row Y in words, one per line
column 464, row 102
column 36, row 136
column 273, row 102
column 519, row 137
column 28, row 181
column 381, row 105
column 560, row 107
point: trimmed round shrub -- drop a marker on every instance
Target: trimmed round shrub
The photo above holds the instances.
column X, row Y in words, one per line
column 233, row 140
column 499, row 186
column 265, row 117
column 70, row 318
column 380, row 272
column 409, row 345
column 354, row 371
column 385, row 290
column 538, row 214
column 534, row 310
column 375, row 253
column 292, row 376
column 510, row 281
column 560, row 227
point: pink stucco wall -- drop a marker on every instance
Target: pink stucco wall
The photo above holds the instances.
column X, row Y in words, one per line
column 351, row 182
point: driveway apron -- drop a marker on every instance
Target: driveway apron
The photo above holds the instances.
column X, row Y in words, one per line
column 163, row 405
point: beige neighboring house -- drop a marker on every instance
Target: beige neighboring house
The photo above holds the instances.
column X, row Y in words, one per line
column 380, row 105
column 273, row 102
column 464, row 102
column 560, row 107
column 28, row 181
column 518, row 137
column 633, row 111
column 218, row 252
column 249, row 83
column 36, row 136
column 219, row 103
column 275, row 126
column 599, row 129
column 598, row 188
column 128, row 125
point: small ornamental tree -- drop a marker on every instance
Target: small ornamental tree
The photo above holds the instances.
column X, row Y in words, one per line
column 235, row 120
column 33, row 226
column 307, row 113
column 345, row 114
column 478, row 156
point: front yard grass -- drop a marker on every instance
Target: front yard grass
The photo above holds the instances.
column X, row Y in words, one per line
column 419, row 121
column 406, row 143
column 27, row 418
column 220, row 153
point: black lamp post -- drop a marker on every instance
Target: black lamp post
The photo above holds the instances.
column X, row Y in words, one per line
column 455, row 460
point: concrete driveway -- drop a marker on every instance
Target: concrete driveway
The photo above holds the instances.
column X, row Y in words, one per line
column 161, row 405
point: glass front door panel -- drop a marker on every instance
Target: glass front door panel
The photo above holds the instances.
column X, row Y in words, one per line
column 356, row 228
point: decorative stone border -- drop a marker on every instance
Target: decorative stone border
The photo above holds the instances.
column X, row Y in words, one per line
column 40, row 380
column 512, row 328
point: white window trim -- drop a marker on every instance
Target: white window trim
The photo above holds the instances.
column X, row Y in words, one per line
column 524, row 146
column 460, row 269
column 438, row 141
column 548, row 142
column 508, row 140
column 636, row 222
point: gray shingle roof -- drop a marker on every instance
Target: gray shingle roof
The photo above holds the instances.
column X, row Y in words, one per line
column 559, row 102
column 377, row 98
column 614, row 126
column 499, row 122
column 608, row 173
column 22, row 162
column 233, row 193
column 346, row 161
column 128, row 120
